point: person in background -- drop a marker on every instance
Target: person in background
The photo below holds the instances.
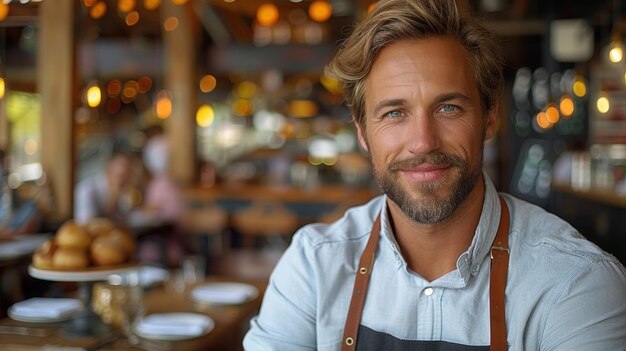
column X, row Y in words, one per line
column 162, row 199
column 108, row 193
column 162, row 204
column 441, row 261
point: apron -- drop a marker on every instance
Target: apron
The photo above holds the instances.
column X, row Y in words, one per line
column 497, row 284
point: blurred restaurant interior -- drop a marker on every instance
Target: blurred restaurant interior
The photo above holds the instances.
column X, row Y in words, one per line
column 259, row 139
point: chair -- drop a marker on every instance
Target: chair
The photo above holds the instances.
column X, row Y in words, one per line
column 265, row 220
column 209, row 223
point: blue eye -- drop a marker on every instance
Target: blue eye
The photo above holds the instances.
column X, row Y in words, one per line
column 449, row 108
column 394, row 114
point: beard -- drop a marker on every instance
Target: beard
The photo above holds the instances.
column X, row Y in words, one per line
column 431, row 207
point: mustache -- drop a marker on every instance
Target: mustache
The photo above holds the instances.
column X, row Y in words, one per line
column 434, row 158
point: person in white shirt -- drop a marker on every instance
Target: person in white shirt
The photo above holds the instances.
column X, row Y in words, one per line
column 441, row 261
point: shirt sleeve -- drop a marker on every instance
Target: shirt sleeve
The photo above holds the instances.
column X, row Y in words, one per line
column 85, row 206
column 287, row 317
column 590, row 313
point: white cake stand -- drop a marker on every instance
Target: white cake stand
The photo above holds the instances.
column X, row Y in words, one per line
column 88, row 323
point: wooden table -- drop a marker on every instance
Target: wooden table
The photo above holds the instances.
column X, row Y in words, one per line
column 230, row 324
column 16, row 253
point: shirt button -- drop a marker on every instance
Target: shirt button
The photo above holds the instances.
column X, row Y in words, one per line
column 428, row 291
column 475, row 268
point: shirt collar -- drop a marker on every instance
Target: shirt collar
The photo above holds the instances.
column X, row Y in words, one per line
column 486, row 229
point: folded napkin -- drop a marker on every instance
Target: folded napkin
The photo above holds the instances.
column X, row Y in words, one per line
column 183, row 324
column 224, row 293
column 43, row 307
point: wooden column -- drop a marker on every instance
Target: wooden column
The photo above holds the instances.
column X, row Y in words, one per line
column 55, row 83
column 180, row 79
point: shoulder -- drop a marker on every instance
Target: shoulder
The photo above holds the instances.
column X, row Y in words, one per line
column 548, row 252
column 91, row 183
column 535, row 229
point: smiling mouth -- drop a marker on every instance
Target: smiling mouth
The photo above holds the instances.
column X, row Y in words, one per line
column 427, row 168
column 425, row 172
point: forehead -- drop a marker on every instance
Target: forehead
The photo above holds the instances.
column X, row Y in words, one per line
column 434, row 65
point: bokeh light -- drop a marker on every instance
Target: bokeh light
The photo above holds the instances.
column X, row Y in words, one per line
column 126, row 6
column 542, row 121
column 205, row 116
column 4, row 10
column 163, row 105
column 132, row 18
column 320, row 10
column 94, row 96
column 603, row 105
column 170, row 23
column 267, row 14
column 552, row 113
column 207, row 83
column 98, row 10
column 566, row 105
column 579, row 88
column 151, row 4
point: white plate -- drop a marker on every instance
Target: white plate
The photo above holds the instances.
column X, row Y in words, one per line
column 224, row 293
column 13, row 314
column 151, row 276
column 167, row 321
column 90, row 274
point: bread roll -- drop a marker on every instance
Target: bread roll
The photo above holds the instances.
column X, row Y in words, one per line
column 123, row 239
column 99, row 226
column 108, row 251
column 72, row 236
column 42, row 258
column 70, row 258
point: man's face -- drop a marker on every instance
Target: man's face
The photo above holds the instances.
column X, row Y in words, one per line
column 119, row 170
column 424, row 127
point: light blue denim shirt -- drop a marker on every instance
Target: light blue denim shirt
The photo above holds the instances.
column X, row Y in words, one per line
column 562, row 293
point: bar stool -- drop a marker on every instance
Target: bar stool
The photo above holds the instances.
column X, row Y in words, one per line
column 206, row 222
column 265, row 220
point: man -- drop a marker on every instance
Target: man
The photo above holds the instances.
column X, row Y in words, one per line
column 423, row 83
column 105, row 194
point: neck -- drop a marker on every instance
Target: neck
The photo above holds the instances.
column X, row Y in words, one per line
column 431, row 250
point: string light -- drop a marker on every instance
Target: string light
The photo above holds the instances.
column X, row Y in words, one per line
column 2, row 88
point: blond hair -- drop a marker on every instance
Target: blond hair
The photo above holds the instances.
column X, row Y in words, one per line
column 395, row 20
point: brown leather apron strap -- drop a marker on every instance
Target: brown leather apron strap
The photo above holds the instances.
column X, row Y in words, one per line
column 360, row 289
column 497, row 285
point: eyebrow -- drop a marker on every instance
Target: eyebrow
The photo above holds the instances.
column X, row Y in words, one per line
column 453, row 96
column 439, row 99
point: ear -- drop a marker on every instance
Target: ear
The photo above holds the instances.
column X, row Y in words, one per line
column 361, row 135
column 492, row 122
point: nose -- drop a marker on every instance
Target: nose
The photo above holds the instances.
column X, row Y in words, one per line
column 422, row 134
